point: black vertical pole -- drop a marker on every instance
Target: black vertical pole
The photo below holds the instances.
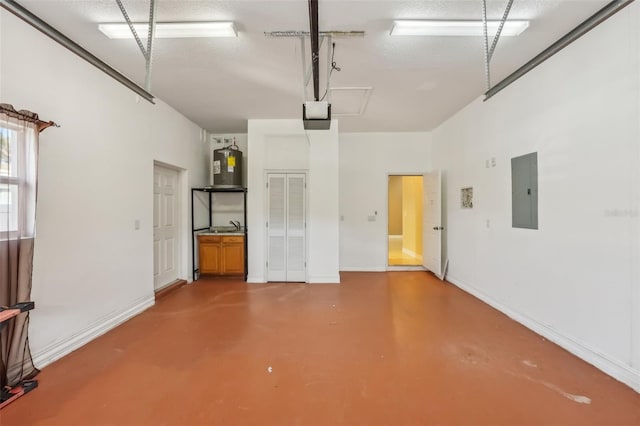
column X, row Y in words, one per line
column 193, row 242
column 246, row 242
column 315, row 47
column 210, row 211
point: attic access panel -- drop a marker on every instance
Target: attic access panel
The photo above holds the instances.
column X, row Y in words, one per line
column 349, row 101
column 524, row 191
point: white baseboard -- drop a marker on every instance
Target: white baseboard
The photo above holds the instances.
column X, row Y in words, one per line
column 615, row 368
column 59, row 349
column 395, row 268
column 412, row 253
column 325, row 279
column 169, row 284
column 312, row 280
column 362, row 269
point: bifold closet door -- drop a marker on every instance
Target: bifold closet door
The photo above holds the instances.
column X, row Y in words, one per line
column 276, row 227
column 286, row 227
column 296, row 244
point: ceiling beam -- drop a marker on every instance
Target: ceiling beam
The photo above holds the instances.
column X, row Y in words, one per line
column 292, row 33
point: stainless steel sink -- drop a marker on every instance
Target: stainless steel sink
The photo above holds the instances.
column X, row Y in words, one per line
column 225, row 230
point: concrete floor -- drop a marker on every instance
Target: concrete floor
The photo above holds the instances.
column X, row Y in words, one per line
column 399, row 348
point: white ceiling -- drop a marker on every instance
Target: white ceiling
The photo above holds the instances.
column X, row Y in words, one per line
column 417, row 82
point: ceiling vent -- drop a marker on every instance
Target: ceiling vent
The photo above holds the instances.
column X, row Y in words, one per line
column 349, row 101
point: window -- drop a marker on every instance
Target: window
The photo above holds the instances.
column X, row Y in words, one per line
column 15, row 183
column 9, row 182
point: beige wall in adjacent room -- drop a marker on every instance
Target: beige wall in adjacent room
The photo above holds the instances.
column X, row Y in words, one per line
column 395, row 205
column 412, row 196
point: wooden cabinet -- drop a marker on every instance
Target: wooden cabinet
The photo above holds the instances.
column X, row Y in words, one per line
column 232, row 255
column 209, row 254
column 221, row 254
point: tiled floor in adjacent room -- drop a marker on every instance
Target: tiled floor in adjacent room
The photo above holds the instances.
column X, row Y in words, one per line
column 399, row 348
column 397, row 257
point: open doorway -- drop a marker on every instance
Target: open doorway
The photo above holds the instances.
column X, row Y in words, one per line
column 406, row 201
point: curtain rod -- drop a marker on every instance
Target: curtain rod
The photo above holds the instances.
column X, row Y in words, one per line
column 593, row 21
column 40, row 25
column 26, row 115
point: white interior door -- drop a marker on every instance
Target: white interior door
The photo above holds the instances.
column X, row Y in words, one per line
column 166, row 226
column 432, row 226
column 286, row 227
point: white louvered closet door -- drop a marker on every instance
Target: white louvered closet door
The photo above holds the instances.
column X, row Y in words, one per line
column 296, row 259
column 276, row 228
column 286, row 230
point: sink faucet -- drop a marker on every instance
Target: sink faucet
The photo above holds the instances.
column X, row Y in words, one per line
column 235, row 224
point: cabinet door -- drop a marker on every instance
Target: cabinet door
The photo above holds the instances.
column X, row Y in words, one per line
column 232, row 258
column 210, row 258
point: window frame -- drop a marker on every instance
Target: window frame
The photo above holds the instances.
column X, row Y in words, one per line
column 15, row 180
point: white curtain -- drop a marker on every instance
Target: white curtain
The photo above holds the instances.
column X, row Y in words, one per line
column 18, row 173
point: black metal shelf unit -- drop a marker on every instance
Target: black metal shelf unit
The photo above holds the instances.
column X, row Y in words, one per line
column 194, row 230
column 10, row 394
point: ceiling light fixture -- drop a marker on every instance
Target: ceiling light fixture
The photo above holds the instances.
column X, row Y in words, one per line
column 171, row 29
column 455, row 28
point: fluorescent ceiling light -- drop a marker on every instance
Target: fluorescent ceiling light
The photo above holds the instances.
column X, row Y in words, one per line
column 456, row 28
column 171, row 29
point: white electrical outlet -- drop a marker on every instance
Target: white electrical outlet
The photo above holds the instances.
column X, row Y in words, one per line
column 486, row 163
column 371, row 218
column 493, row 161
column 136, row 224
column 488, row 223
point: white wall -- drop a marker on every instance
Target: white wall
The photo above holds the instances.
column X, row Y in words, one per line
column 575, row 280
column 366, row 159
column 92, row 269
column 278, row 145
